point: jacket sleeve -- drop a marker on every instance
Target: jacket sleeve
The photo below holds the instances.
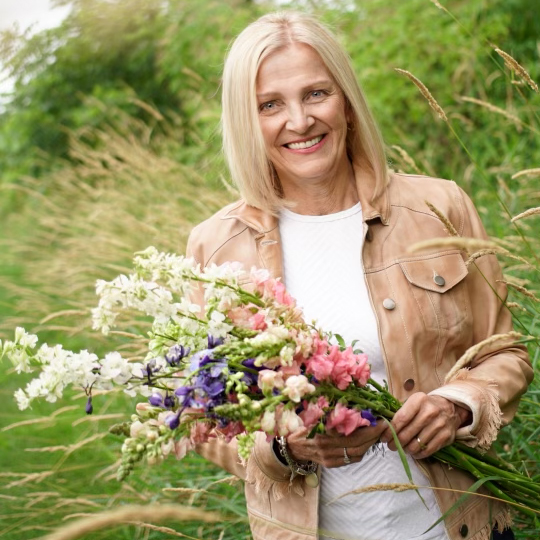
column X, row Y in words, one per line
column 499, row 374
column 262, row 468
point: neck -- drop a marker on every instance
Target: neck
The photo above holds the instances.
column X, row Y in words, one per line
column 323, row 197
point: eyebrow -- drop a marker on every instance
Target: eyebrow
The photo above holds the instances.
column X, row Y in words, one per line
column 315, row 84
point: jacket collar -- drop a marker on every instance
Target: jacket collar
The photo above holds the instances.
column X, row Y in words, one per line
column 372, row 208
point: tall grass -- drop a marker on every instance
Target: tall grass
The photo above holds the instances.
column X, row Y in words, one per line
column 122, row 195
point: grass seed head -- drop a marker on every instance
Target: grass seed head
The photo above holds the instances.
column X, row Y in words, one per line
column 518, row 69
column 425, row 92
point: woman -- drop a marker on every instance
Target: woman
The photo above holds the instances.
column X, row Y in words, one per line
column 321, row 210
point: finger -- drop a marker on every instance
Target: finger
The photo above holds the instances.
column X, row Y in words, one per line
column 408, row 412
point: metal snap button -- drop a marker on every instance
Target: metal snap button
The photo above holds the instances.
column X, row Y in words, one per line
column 389, row 304
column 439, row 280
column 408, row 384
column 464, row 530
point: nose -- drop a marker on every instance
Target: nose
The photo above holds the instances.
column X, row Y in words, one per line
column 299, row 120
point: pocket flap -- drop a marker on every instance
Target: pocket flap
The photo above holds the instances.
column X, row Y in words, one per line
column 422, row 271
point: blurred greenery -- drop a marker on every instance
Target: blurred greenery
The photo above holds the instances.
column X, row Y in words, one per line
column 110, row 142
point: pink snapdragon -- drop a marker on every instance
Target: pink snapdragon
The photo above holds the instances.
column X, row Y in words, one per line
column 313, row 412
column 320, row 366
column 345, row 420
column 240, row 316
column 258, row 321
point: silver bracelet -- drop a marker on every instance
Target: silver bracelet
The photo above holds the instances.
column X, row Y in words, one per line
column 306, row 468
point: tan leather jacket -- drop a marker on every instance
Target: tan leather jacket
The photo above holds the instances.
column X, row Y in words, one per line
column 430, row 326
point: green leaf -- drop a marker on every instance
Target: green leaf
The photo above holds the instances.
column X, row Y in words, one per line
column 473, row 489
column 404, row 461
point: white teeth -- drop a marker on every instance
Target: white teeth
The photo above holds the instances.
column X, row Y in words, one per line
column 305, row 144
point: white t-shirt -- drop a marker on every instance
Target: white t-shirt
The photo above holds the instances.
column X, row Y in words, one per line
column 323, row 270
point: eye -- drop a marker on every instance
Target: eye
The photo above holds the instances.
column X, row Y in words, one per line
column 317, row 93
column 268, row 106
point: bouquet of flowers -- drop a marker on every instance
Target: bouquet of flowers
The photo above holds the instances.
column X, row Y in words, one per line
column 248, row 363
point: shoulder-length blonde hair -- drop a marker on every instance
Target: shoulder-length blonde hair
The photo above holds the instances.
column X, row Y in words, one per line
column 243, row 142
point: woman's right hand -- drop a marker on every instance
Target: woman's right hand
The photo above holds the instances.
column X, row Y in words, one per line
column 327, row 449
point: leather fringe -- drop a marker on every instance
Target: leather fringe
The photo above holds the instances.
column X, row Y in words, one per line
column 502, row 521
column 491, row 424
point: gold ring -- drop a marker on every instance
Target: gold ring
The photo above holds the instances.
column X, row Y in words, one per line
column 346, row 458
column 421, row 444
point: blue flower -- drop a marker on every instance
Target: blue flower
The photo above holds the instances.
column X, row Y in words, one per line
column 173, row 420
column 89, row 407
column 369, row 416
column 156, row 400
column 176, row 354
column 169, row 402
column 214, row 342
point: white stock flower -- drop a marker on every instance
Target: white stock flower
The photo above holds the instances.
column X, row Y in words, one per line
column 115, row 368
column 20, row 360
column 216, row 325
column 296, row 387
column 22, row 399
column 24, row 339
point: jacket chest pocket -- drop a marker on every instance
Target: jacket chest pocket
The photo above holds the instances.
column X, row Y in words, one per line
column 436, row 283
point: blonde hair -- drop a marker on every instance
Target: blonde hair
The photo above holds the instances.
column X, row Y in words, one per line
column 243, row 143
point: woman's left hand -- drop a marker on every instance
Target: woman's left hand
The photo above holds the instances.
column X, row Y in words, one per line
column 425, row 424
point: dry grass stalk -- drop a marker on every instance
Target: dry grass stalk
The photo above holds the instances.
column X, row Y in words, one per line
column 29, row 422
column 437, row 4
column 64, row 313
column 76, row 500
column 72, row 447
column 405, row 156
column 494, row 108
column 470, row 245
column 520, row 71
column 443, row 219
column 425, row 92
column 31, row 477
column 471, row 352
column 155, row 513
column 515, row 305
column 526, row 172
column 188, row 491
column 97, row 418
column 497, row 251
column 527, row 213
column 166, row 530
column 230, row 480
column 520, row 289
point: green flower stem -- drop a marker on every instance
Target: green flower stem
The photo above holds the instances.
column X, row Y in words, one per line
column 497, row 471
column 486, row 458
column 376, row 406
column 463, row 462
column 516, row 489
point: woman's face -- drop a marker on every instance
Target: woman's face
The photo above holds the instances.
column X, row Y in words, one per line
column 303, row 118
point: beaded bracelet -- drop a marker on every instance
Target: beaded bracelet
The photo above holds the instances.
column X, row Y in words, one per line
column 307, row 468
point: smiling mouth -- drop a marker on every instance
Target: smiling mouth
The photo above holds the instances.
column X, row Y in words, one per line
column 305, row 144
